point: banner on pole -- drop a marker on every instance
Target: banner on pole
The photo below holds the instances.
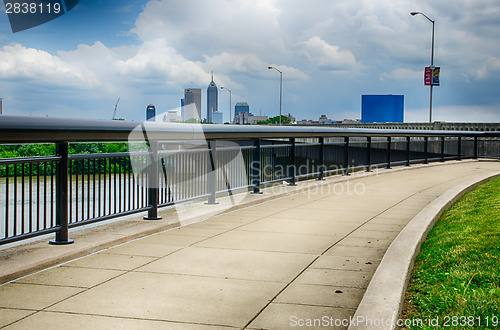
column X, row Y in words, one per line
column 431, row 76
column 427, row 76
column 435, row 76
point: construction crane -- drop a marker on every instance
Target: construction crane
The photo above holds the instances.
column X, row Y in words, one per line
column 116, row 106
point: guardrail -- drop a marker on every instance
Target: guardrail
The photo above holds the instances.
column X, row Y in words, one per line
column 50, row 194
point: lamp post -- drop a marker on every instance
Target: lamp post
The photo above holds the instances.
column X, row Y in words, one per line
column 281, row 87
column 230, row 93
column 432, row 58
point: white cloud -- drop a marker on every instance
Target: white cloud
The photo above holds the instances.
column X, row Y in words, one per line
column 402, row 74
column 193, row 26
column 20, row 63
column 155, row 62
column 232, row 62
column 488, row 67
column 328, row 57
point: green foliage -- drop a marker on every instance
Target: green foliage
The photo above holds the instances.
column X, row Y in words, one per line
column 458, row 270
column 275, row 121
column 26, row 150
column 192, row 121
column 33, row 150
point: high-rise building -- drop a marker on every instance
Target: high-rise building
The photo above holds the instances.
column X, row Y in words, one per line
column 241, row 107
column 212, row 100
column 150, row 112
column 241, row 112
column 192, row 103
column 217, row 117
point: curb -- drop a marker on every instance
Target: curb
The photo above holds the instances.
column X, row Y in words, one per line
column 383, row 300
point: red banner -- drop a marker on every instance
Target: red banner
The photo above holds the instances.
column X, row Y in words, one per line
column 428, row 76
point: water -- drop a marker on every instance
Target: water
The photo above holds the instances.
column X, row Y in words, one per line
column 32, row 205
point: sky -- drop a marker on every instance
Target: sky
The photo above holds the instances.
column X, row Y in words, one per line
column 330, row 53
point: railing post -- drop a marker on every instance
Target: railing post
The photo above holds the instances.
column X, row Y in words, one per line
column 408, row 153
column 459, row 153
column 212, row 178
column 273, row 162
column 292, row 161
column 346, row 155
column 256, row 167
column 321, row 158
column 369, row 154
column 442, row 148
column 389, row 140
column 426, row 149
column 62, row 236
column 476, row 152
column 153, row 183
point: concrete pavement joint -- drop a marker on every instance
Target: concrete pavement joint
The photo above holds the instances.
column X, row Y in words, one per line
column 310, row 264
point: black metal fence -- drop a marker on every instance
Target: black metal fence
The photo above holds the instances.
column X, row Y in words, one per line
column 49, row 194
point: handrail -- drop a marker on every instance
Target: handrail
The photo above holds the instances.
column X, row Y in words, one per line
column 33, row 129
column 74, row 190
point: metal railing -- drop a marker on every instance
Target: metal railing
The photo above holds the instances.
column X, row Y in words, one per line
column 50, row 194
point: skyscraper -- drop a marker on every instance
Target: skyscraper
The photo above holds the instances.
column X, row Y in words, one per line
column 150, row 112
column 192, row 103
column 212, row 100
column 241, row 107
column 241, row 112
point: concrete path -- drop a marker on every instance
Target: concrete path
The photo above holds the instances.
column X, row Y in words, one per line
column 276, row 265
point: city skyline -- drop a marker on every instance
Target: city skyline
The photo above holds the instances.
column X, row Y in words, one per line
column 146, row 52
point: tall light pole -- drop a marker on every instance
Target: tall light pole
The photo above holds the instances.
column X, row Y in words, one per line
column 230, row 93
column 281, row 87
column 432, row 59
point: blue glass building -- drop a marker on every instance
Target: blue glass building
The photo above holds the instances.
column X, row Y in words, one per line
column 150, row 112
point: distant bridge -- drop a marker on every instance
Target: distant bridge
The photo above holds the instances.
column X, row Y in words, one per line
column 438, row 125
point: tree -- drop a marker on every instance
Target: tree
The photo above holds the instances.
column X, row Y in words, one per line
column 275, row 120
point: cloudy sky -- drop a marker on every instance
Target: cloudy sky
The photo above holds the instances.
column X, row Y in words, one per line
column 330, row 51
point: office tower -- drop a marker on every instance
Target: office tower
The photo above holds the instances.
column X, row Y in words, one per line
column 150, row 112
column 212, row 100
column 192, row 103
column 241, row 112
column 241, row 107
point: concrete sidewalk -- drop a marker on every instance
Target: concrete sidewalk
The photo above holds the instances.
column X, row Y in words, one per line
column 275, row 265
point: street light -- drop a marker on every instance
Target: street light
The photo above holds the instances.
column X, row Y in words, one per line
column 432, row 58
column 281, row 87
column 230, row 93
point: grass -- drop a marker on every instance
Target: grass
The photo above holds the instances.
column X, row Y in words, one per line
column 456, row 278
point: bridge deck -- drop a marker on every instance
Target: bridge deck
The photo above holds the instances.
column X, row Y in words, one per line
column 306, row 255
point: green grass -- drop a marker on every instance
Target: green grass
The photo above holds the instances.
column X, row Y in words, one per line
column 457, row 272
